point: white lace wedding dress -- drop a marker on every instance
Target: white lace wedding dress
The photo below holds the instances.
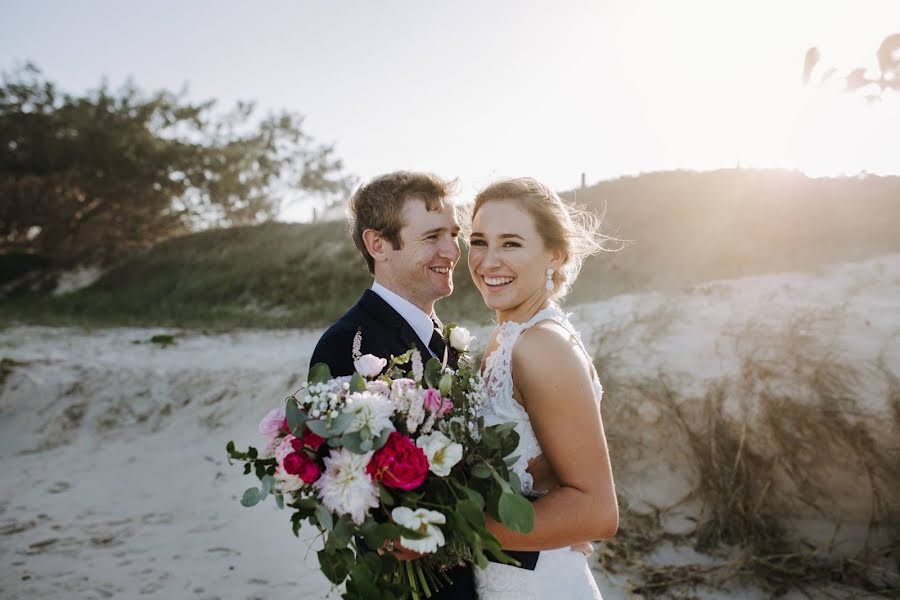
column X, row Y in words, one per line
column 562, row 573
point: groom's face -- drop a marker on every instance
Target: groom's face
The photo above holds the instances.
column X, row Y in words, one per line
column 423, row 266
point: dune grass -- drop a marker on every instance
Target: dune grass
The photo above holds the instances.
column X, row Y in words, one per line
column 754, row 469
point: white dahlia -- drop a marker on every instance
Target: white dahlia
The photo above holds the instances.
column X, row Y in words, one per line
column 370, row 410
column 345, row 487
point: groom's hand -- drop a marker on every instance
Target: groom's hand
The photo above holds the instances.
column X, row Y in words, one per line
column 586, row 548
column 544, row 479
column 395, row 548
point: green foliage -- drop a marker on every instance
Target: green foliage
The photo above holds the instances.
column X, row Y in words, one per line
column 319, row 373
column 687, row 228
column 87, row 177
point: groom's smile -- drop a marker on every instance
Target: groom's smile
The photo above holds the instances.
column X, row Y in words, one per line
column 422, row 268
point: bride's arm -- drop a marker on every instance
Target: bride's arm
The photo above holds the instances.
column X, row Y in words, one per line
column 554, row 378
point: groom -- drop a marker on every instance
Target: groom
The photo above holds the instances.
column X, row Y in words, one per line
column 404, row 225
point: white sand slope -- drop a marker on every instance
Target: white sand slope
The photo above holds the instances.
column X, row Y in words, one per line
column 114, row 484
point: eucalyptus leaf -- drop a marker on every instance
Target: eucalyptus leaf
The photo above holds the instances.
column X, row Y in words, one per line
column 352, row 442
column 319, row 373
column 323, row 516
column 251, row 497
column 504, row 427
column 445, row 384
column 336, row 427
column 474, row 497
column 504, row 484
column 514, row 481
column 472, row 513
column 340, row 423
column 279, row 501
column 268, row 482
column 295, row 417
column 381, row 440
column 357, row 383
column 481, row 470
column 319, row 428
column 516, row 512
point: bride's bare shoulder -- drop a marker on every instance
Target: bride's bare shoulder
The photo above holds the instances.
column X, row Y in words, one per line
column 548, row 346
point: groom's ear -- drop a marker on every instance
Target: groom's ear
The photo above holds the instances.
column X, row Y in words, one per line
column 376, row 244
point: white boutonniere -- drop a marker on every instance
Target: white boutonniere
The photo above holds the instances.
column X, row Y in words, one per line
column 459, row 337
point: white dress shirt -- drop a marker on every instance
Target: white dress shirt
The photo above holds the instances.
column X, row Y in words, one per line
column 421, row 323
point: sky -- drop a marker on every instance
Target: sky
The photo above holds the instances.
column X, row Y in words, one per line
column 486, row 89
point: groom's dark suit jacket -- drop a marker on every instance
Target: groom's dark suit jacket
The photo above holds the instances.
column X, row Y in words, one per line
column 386, row 333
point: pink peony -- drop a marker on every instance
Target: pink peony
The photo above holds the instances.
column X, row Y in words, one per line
column 399, row 464
column 271, row 423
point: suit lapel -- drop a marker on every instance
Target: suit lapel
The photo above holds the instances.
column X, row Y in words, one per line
column 383, row 312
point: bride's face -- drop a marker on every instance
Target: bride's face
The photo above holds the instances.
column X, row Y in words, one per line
column 507, row 257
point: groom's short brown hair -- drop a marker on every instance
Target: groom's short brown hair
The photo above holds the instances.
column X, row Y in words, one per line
column 378, row 205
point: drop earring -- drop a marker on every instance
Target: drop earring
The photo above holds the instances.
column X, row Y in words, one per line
column 550, row 285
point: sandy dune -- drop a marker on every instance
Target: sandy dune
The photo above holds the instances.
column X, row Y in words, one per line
column 115, row 485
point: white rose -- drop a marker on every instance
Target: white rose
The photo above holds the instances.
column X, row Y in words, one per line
column 460, row 338
column 442, row 452
column 369, row 365
column 421, row 521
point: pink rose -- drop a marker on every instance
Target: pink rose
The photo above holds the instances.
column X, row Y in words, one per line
column 399, row 463
column 309, row 440
column 301, row 465
column 433, row 400
column 271, row 423
column 446, row 407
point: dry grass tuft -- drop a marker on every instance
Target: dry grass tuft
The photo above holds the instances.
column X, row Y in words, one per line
column 798, row 426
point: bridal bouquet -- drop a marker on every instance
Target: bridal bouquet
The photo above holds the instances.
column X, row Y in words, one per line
column 395, row 451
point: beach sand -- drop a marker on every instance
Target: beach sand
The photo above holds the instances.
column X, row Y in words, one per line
column 114, row 482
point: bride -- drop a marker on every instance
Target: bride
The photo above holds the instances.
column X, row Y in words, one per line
column 526, row 248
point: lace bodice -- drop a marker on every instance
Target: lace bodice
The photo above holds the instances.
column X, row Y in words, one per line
column 501, row 407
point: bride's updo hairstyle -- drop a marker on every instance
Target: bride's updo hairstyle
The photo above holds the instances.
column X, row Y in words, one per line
column 562, row 225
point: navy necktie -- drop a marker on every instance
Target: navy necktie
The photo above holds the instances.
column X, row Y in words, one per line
column 437, row 343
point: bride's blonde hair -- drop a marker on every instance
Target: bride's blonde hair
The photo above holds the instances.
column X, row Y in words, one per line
column 562, row 225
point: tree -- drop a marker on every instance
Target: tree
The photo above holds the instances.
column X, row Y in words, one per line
column 888, row 55
column 84, row 179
